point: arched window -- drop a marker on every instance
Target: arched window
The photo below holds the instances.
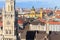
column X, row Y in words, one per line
column 11, row 8
column 6, row 31
column 8, row 8
column 9, row 31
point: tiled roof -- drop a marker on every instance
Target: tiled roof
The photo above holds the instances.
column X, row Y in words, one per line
column 42, row 20
column 57, row 16
column 35, row 22
column 40, row 35
column 55, row 36
column 57, row 12
column 54, row 23
column 47, row 11
column 1, row 24
column 20, row 21
column 38, row 22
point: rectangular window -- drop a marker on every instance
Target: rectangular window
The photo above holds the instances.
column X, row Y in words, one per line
column 9, row 31
column 10, row 39
column 6, row 31
column 11, row 16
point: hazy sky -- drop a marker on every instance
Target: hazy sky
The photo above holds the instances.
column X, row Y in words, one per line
column 36, row 3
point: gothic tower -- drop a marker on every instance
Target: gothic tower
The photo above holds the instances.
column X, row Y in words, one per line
column 8, row 20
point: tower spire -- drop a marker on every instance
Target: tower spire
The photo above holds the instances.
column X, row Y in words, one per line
column 10, row 5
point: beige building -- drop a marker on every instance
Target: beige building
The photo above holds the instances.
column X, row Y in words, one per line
column 8, row 17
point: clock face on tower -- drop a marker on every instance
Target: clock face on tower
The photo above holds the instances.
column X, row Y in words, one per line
column 8, row 22
column 8, row 15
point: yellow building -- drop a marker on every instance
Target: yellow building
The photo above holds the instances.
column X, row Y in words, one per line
column 41, row 13
column 32, row 13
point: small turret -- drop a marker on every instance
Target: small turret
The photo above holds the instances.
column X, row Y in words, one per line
column 32, row 14
column 41, row 11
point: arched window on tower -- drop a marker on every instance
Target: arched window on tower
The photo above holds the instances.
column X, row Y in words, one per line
column 6, row 31
column 9, row 31
column 11, row 8
column 8, row 8
column 11, row 16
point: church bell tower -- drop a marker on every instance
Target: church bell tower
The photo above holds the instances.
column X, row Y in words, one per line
column 8, row 20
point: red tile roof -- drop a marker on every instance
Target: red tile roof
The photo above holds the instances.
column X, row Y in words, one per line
column 20, row 21
column 1, row 24
column 42, row 20
column 57, row 16
column 54, row 23
column 57, row 12
column 47, row 11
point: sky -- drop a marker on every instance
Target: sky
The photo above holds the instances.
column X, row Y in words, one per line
column 35, row 3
